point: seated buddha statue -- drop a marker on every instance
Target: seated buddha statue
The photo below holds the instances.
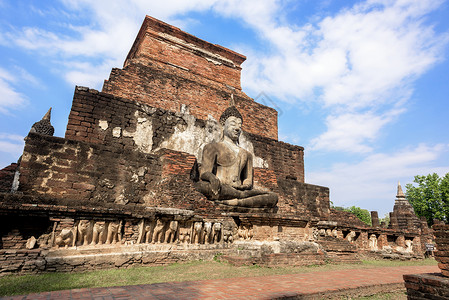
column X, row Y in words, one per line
column 226, row 172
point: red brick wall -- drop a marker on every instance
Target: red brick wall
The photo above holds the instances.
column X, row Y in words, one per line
column 303, row 199
column 92, row 174
column 169, row 89
column 286, row 160
column 90, row 106
column 159, row 41
column 77, row 171
column 346, row 218
column 176, row 163
column 265, row 177
column 167, row 67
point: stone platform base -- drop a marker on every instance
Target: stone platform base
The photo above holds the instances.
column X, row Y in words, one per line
column 339, row 251
column 85, row 258
column 427, row 286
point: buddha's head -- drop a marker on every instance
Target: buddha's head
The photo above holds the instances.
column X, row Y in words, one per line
column 231, row 120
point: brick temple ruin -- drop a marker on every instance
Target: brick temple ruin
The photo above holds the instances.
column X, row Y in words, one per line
column 120, row 189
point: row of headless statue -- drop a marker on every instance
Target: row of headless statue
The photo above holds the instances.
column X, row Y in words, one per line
column 171, row 231
column 91, row 232
column 352, row 236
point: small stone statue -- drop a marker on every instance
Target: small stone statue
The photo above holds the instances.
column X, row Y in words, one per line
column 145, row 232
column 158, row 231
column 170, row 235
column 351, row 236
column 226, row 172
column 84, row 232
column 207, row 230
column 148, row 234
column 44, row 240
column 114, row 230
column 197, row 232
column 245, row 232
column 227, row 236
column 409, row 244
column 98, row 232
column 184, row 235
column 31, row 242
column 335, row 232
column 373, row 242
column 65, row 238
column 216, row 233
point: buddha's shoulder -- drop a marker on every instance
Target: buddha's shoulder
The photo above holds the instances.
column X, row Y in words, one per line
column 214, row 146
column 219, row 147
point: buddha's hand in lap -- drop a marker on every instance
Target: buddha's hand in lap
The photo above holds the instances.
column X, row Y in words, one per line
column 242, row 187
column 215, row 185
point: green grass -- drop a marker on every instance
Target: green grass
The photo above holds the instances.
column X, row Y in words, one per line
column 399, row 263
column 386, row 296
column 197, row 270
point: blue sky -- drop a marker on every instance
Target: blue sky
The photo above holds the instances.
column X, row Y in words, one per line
column 362, row 85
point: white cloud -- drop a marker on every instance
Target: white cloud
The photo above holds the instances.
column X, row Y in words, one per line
column 354, row 56
column 86, row 73
column 105, row 39
column 11, row 144
column 384, row 47
column 11, row 148
column 26, row 77
column 371, row 183
column 10, row 98
column 351, row 132
column 361, row 58
column 366, row 57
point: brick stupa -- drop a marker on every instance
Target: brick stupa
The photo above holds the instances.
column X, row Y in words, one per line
column 118, row 189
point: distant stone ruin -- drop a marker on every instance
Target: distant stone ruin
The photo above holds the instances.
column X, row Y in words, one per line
column 148, row 174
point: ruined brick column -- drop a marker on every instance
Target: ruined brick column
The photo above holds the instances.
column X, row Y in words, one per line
column 441, row 232
column 374, row 219
column 433, row 286
column 393, row 221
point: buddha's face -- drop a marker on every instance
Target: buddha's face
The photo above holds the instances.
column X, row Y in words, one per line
column 233, row 128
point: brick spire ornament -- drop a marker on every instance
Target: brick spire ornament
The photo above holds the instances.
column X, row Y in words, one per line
column 44, row 126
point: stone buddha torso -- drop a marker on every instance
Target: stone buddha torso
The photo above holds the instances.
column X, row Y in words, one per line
column 231, row 162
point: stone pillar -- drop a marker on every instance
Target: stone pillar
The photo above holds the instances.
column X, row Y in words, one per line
column 374, row 219
column 362, row 240
column 382, row 241
column 393, row 221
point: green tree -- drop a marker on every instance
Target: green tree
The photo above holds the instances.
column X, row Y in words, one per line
column 363, row 214
column 430, row 198
column 385, row 219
